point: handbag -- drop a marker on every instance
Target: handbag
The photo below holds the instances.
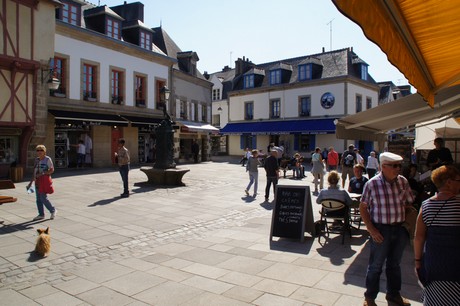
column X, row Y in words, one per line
column 45, row 184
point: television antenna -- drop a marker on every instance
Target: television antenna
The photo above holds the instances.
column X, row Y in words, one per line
column 330, row 33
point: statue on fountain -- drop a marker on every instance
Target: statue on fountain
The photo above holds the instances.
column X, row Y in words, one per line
column 164, row 171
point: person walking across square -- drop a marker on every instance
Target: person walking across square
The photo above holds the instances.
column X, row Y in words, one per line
column 43, row 168
column 372, row 165
column 272, row 169
column 382, row 209
column 253, row 168
column 332, row 159
column 348, row 161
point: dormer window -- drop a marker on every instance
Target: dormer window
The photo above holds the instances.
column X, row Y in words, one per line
column 70, row 13
column 305, row 72
column 113, row 28
column 249, row 81
column 363, row 72
column 275, row 77
column 145, row 40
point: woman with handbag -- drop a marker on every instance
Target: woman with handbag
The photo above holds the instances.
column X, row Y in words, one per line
column 437, row 233
column 43, row 184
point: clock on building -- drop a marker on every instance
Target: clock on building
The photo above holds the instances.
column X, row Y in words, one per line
column 327, row 100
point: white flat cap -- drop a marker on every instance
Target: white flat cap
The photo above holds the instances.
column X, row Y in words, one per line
column 389, row 157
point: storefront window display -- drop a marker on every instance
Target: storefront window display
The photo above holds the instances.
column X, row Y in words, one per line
column 8, row 154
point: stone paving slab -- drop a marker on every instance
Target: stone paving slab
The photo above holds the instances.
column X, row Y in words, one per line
column 202, row 244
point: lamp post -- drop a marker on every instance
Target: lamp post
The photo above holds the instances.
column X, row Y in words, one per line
column 164, row 158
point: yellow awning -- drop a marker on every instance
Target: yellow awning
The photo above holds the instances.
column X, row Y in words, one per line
column 420, row 37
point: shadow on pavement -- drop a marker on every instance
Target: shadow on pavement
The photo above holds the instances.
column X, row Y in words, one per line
column 105, row 201
column 11, row 228
column 267, row 205
column 33, row 257
column 292, row 245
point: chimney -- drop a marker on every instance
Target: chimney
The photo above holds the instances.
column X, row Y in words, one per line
column 242, row 65
column 323, row 49
column 206, row 75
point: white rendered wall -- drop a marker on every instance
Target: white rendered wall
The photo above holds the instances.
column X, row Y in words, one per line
column 290, row 101
column 193, row 92
column 78, row 50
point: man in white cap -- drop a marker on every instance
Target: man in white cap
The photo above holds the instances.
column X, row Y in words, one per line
column 382, row 209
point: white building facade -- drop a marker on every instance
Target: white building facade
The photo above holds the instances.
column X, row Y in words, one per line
column 294, row 102
column 111, row 75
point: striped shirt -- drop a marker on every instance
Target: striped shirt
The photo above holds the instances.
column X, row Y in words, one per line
column 386, row 200
column 449, row 215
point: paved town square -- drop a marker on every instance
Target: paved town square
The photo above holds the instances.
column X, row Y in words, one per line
column 202, row 244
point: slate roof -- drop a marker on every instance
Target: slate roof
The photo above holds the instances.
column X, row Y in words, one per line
column 336, row 63
column 170, row 48
column 255, row 71
column 136, row 24
column 101, row 10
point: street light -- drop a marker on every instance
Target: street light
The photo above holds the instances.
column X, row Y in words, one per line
column 219, row 110
column 53, row 82
column 164, row 94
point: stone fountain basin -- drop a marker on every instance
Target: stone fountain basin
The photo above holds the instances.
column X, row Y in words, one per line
column 170, row 177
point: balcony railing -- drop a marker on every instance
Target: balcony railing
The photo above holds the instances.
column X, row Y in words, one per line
column 117, row 100
column 140, row 102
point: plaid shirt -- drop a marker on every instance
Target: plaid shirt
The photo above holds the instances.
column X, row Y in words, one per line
column 386, row 201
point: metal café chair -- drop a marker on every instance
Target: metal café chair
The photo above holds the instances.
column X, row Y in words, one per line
column 334, row 210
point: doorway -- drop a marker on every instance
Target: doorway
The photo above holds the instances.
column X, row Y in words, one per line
column 116, row 135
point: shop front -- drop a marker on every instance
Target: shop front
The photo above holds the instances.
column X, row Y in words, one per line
column 193, row 132
column 94, row 130
column 99, row 134
column 9, row 149
column 146, row 136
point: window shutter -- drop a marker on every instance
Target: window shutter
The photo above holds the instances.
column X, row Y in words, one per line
column 192, row 110
column 177, row 108
column 312, row 142
column 296, row 142
column 208, row 114
column 200, row 112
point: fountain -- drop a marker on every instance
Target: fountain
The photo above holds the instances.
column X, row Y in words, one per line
column 164, row 171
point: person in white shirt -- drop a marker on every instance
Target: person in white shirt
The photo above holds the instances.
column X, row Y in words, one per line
column 359, row 158
column 372, row 165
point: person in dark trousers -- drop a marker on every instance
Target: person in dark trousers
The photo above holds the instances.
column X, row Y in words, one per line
column 272, row 169
column 382, row 209
column 195, row 150
column 123, row 160
column 348, row 161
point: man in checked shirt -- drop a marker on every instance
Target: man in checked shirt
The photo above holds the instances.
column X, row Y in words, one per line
column 382, row 209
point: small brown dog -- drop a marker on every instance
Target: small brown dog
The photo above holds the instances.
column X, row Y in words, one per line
column 43, row 246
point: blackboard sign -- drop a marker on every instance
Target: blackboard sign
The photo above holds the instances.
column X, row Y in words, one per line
column 292, row 212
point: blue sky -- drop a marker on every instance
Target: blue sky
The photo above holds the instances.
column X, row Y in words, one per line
column 261, row 30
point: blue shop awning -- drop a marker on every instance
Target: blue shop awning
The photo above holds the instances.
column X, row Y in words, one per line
column 310, row 126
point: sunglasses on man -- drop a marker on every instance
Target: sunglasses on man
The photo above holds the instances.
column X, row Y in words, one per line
column 393, row 165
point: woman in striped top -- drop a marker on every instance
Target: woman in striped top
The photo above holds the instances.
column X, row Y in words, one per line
column 438, row 234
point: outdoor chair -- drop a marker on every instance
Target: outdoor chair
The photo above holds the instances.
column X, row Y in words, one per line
column 333, row 211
